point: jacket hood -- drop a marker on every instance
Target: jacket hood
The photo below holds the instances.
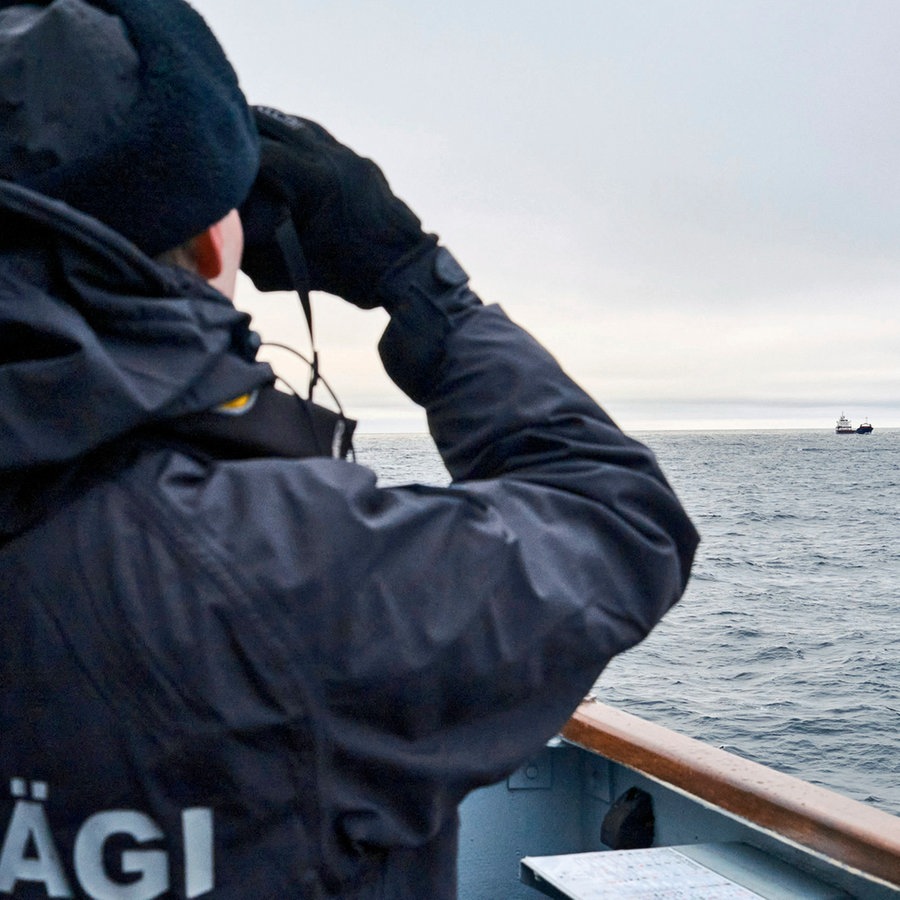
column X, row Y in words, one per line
column 96, row 339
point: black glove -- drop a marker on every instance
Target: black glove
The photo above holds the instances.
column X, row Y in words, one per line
column 351, row 228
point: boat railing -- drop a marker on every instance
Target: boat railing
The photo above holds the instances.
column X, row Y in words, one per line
column 853, row 834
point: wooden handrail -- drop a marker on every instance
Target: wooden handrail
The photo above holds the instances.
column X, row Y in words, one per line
column 845, row 830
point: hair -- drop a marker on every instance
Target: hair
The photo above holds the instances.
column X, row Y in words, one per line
column 181, row 256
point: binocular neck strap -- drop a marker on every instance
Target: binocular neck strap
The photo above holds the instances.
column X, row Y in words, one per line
column 286, row 235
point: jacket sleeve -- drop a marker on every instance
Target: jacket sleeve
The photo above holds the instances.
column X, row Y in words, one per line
column 442, row 635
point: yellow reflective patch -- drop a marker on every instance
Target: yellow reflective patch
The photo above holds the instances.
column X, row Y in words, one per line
column 239, row 404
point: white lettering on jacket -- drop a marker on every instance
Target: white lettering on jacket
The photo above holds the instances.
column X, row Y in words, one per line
column 29, row 852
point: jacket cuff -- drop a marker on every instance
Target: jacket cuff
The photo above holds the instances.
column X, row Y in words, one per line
column 425, row 299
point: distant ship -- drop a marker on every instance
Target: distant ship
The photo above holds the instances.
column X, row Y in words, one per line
column 843, row 426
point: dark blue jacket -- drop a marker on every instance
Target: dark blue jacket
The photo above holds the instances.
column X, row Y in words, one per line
column 229, row 672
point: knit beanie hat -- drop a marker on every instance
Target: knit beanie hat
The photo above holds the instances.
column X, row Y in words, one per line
column 126, row 109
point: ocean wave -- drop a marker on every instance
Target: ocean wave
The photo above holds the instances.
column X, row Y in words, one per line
column 786, row 647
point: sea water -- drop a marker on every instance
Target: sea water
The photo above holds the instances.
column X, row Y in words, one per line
column 786, row 646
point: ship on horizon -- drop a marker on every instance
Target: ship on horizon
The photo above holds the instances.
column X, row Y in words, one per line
column 843, row 426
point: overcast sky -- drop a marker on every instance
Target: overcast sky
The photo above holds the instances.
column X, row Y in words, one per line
column 695, row 204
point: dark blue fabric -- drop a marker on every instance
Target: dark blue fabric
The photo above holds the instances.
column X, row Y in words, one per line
column 327, row 665
column 96, row 340
column 112, row 99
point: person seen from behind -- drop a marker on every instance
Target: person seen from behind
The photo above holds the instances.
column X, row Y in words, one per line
column 232, row 665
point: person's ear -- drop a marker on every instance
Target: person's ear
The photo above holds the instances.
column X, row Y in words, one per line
column 206, row 248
